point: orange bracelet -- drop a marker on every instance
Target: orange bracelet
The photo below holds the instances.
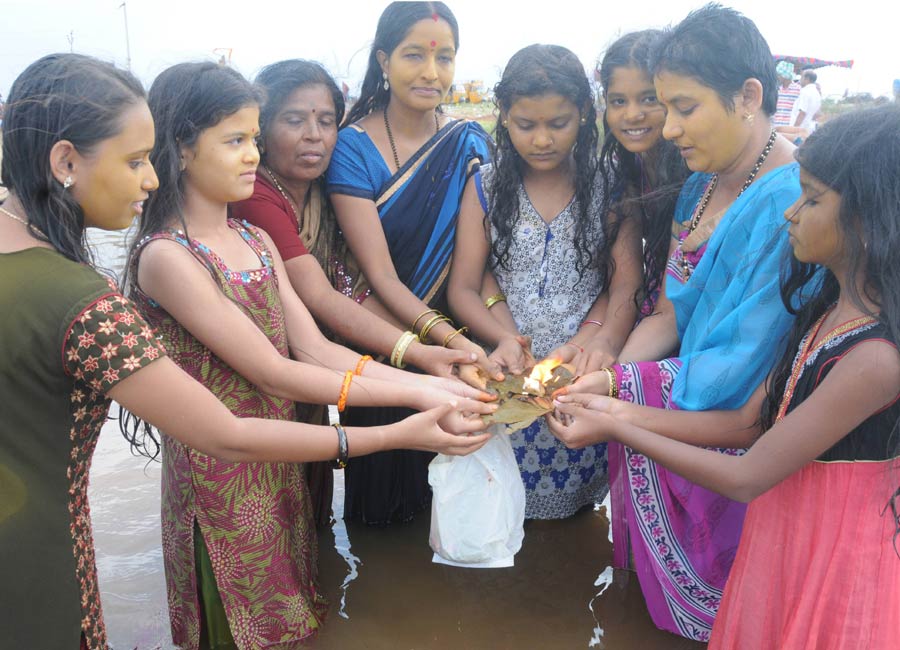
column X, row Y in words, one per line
column 363, row 360
column 345, row 388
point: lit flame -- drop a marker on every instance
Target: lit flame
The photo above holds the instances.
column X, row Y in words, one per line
column 540, row 374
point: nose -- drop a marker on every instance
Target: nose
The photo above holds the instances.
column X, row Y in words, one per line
column 634, row 112
column 793, row 210
column 542, row 138
column 313, row 130
column 251, row 153
column 150, row 181
column 671, row 128
column 429, row 71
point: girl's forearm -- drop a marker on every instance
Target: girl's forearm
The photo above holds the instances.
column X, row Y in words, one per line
column 718, row 472
column 729, row 429
column 469, row 307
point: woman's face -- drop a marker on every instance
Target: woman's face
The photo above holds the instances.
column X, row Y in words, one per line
column 420, row 69
column 221, row 166
column 634, row 115
column 301, row 137
column 543, row 130
column 711, row 138
column 112, row 182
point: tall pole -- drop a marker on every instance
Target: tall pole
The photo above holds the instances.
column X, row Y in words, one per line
column 127, row 42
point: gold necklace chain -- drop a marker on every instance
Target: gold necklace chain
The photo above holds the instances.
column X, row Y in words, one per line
column 29, row 226
column 390, row 135
column 280, row 189
column 704, row 201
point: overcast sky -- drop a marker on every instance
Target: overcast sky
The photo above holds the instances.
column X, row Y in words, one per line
column 338, row 33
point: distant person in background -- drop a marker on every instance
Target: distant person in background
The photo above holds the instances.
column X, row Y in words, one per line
column 788, row 92
column 803, row 115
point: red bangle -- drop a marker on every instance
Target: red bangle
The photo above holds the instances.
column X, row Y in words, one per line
column 363, row 360
column 592, row 322
column 345, row 389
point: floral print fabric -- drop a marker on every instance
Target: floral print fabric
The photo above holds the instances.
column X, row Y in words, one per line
column 106, row 343
column 255, row 518
column 549, row 302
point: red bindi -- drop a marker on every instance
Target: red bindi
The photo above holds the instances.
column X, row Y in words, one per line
column 433, row 43
column 435, row 17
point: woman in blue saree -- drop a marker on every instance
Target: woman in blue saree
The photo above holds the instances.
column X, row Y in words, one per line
column 719, row 322
column 396, row 180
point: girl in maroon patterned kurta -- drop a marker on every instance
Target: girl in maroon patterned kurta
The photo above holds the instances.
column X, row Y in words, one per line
column 69, row 342
column 213, row 288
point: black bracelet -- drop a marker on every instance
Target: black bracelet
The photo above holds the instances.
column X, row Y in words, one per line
column 343, row 447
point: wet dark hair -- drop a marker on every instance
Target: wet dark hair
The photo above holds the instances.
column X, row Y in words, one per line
column 395, row 23
column 60, row 97
column 624, row 188
column 279, row 80
column 857, row 155
column 185, row 100
column 720, row 48
column 531, row 72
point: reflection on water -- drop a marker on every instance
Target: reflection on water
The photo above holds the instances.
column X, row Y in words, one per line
column 384, row 590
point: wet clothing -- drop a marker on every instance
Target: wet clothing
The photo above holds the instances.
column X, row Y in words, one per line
column 418, row 207
column 730, row 322
column 549, row 301
column 816, row 568
column 67, row 336
column 255, row 518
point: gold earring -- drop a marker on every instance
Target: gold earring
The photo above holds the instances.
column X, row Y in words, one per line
column 68, row 182
column 584, row 120
column 387, row 85
column 749, row 117
column 505, row 124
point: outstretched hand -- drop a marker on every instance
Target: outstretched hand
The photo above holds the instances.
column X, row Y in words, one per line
column 596, row 382
column 445, row 429
column 442, row 362
column 579, row 427
column 513, row 354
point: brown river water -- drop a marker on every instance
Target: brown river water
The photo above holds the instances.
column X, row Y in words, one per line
column 385, row 592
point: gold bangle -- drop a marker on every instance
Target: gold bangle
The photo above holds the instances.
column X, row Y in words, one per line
column 613, row 390
column 363, row 360
column 419, row 317
column 423, row 334
column 449, row 337
column 400, row 348
column 493, row 300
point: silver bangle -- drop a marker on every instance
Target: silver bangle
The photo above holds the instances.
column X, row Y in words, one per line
column 343, row 447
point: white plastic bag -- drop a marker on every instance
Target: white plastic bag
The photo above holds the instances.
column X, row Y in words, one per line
column 478, row 507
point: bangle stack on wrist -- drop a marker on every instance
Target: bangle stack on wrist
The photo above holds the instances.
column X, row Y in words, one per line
column 343, row 446
column 400, row 348
column 427, row 327
column 449, row 337
column 613, row 382
column 493, row 300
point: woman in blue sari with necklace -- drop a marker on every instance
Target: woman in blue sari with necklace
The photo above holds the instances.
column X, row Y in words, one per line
column 396, row 180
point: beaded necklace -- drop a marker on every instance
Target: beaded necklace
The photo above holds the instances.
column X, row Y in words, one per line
column 704, row 201
column 390, row 135
column 807, row 350
column 287, row 197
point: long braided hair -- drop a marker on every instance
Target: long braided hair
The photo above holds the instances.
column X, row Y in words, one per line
column 534, row 71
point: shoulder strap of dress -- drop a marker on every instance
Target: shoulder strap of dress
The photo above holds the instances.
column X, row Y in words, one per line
column 178, row 238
